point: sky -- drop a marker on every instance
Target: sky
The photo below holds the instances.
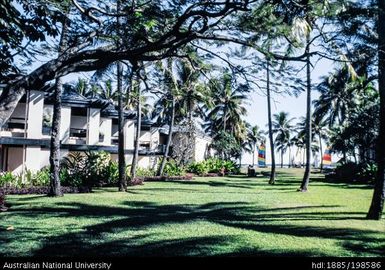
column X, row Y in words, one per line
column 295, row 106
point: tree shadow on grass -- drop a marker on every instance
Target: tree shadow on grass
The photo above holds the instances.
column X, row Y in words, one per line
column 93, row 240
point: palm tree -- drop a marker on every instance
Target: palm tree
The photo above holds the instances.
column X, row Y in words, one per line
column 282, row 127
column 226, row 106
column 306, row 176
column 336, row 97
column 103, row 91
column 171, row 87
column 270, row 123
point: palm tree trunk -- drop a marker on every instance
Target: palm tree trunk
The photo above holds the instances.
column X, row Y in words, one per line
column 54, row 157
column 281, row 159
column 289, row 157
column 121, row 121
column 137, row 136
column 321, row 155
column 224, row 118
column 377, row 205
column 169, row 138
column 272, row 172
column 254, row 150
column 306, row 177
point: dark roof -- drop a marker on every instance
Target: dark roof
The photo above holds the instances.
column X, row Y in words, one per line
column 73, row 99
column 181, row 129
column 110, row 111
column 69, row 97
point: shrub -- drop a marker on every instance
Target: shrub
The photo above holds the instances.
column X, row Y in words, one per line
column 172, row 169
column 41, row 178
column 199, row 168
column 351, row 172
column 142, row 172
column 8, row 179
column 367, row 172
column 90, row 169
column 213, row 165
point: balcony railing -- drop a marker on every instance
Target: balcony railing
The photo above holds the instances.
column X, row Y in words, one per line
column 14, row 123
column 79, row 133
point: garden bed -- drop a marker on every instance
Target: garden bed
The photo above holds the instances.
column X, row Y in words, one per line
column 41, row 190
column 162, row 178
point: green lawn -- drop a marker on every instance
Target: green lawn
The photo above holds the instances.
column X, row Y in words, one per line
column 228, row 216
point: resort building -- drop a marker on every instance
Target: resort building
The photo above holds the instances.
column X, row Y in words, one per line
column 87, row 124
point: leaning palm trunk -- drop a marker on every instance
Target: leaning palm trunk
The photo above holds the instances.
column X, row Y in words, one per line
column 377, row 205
column 137, row 136
column 306, row 177
column 272, row 172
column 321, row 153
column 54, row 157
column 169, row 138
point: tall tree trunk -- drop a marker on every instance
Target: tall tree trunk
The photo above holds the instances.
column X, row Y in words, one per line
column 254, row 150
column 137, row 136
column 281, row 159
column 169, row 138
column 321, row 155
column 377, row 205
column 272, row 172
column 121, row 120
column 54, row 156
column 224, row 118
column 289, row 157
column 121, row 123
column 306, row 177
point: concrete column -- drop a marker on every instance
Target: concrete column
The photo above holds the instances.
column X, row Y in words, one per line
column 35, row 114
column 93, row 126
column 129, row 135
column 106, row 129
column 65, row 124
column 33, row 158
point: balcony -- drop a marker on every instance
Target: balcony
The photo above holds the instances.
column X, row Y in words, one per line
column 15, row 127
column 147, row 151
column 78, row 136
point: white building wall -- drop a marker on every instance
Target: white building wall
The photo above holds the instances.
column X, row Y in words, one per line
column 144, row 162
column 33, row 157
column 129, row 135
column 93, row 126
column 65, row 124
column 35, row 114
column 201, row 145
column 106, row 129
